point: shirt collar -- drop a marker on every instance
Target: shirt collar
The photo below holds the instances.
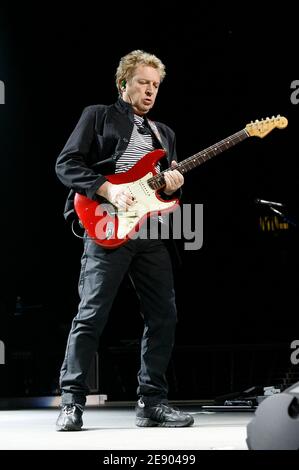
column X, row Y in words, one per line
column 124, row 107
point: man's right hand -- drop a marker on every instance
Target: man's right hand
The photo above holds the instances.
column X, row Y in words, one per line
column 116, row 194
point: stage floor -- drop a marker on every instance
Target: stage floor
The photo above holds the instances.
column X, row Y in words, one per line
column 114, row 428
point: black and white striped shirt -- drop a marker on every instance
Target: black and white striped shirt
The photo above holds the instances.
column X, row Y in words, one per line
column 141, row 143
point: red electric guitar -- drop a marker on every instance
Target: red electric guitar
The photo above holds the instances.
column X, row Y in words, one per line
column 111, row 227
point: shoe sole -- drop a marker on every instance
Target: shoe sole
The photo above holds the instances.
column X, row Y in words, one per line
column 69, row 428
column 149, row 423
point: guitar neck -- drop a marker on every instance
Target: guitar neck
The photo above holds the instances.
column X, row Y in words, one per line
column 210, row 152
column 158, row 182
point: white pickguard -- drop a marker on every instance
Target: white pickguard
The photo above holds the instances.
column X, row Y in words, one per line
column 145, row 202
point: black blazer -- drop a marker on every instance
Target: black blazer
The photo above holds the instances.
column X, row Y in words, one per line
column 100, row 137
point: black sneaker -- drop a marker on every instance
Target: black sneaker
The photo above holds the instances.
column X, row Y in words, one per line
column 162, row 415
column 70, row 418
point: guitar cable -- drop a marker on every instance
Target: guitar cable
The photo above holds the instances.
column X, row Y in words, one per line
column 74, row 231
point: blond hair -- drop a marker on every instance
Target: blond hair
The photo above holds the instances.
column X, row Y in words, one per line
column 129, row 62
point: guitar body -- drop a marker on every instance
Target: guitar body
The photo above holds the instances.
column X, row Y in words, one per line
column 111, row 227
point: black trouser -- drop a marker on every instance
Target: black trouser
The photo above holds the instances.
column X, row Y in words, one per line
column 102, row 270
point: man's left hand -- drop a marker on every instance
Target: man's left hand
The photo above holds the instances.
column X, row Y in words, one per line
column 173, row 179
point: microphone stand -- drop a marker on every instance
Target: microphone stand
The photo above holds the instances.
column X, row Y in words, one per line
column 284, row 216
column 273, row 207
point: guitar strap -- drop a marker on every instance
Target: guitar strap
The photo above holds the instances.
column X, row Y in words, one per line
column 155, row 130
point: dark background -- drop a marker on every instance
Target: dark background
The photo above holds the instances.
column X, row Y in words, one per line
column 237, row 296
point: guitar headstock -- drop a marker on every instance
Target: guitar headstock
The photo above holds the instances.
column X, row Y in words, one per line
column 264, row 126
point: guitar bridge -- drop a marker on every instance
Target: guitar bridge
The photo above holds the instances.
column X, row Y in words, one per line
column 127, row 214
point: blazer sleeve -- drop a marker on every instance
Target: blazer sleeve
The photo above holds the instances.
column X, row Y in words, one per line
column 71, row 165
